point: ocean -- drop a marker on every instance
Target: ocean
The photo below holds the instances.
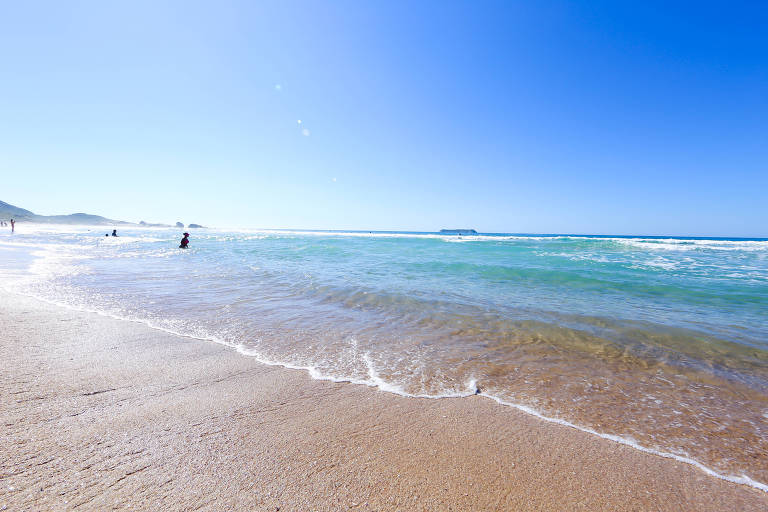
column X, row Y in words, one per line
column 660, row 343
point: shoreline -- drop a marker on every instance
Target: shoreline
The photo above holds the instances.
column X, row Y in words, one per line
column 382, row 386
column 464, row 453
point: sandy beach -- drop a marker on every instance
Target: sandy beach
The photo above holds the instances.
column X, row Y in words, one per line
column 99, row 414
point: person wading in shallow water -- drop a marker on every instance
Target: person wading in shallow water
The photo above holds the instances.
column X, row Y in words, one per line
column 13, row 225
column 184, row 241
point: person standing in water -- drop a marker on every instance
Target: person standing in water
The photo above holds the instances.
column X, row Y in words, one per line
column 13, row 226
column 184, row 241
column 114, row 232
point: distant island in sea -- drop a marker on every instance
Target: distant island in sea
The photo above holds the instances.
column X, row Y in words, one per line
column 9, row 211
column 458, row 232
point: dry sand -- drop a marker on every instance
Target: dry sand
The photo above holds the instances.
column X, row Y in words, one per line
column 102, row 414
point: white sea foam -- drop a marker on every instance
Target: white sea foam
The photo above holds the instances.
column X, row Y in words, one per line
column 652, row 244
column 672, row 244
column 657, row 243
column 743, row 479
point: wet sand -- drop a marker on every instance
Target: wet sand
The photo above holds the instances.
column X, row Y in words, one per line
column 100, row 414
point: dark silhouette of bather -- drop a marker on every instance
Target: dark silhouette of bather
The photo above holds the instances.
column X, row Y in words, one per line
column 184, row 241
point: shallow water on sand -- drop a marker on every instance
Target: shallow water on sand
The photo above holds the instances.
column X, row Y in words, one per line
column 662, row 341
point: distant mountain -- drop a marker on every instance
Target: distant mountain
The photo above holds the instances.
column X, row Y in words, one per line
column 8, row 211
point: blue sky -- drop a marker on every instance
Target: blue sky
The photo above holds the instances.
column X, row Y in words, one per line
column 571, row 117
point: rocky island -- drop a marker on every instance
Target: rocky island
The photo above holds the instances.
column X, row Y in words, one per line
column 458, row 232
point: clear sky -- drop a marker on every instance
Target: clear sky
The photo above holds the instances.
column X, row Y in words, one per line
column 569, row 117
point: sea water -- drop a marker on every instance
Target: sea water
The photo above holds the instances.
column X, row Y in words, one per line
column 656, row 342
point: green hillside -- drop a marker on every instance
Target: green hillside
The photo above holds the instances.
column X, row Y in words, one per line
column 9, row 211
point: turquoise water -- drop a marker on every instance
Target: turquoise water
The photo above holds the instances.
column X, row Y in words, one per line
column 660, row 341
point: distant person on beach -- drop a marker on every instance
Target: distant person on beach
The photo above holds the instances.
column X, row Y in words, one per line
column 114, row 232
column 13, row 226
column 184, row 241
